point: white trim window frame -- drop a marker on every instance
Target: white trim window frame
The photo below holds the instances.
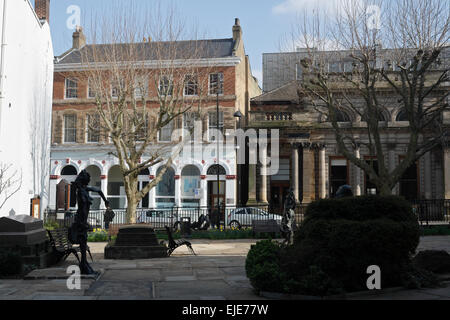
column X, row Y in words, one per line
column 115, row 88
column 164, row 132
column 165, row 87
column 73, row 128
column 89, row 132
column 139, row 83
column 213, row 86
column 90, row 91
column 189, row 119
column 190, row 85
column 70, row 88
column 212, row 124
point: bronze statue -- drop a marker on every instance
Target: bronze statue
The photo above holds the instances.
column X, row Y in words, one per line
column 288, row 221
column 80, row 227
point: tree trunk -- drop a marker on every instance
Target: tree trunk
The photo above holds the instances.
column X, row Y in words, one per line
column 131, row 186
column 131, row 209
column 385, row 189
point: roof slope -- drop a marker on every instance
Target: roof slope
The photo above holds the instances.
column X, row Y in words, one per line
column 147, row 51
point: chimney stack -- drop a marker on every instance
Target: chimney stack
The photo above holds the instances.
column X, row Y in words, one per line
column 237, row 31
column 79, row 39
column 42, row 8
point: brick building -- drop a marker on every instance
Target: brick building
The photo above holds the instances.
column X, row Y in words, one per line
column 189, row 182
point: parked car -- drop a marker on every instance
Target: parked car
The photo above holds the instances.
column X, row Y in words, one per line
column 240, row 217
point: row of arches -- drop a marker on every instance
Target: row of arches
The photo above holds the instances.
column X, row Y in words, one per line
column 164, row 191
column 383, row 116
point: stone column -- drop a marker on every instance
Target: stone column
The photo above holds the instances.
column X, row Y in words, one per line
column 251, row 185
column 447, row 173
column 308, row 175
column 263, row 189
column 357, row 173
column 295, row 172
column 104, row 187
column 322, row 177
column 178, row 191
column 204, row 193
column 427, row 172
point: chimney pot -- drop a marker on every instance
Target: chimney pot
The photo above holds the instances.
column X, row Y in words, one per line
column 79, row 39
column 42, row 8
column 237, row 30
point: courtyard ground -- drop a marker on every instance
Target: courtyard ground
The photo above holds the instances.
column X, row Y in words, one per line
column 216, row 272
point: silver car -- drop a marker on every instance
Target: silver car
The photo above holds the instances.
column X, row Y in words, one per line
column 237, row 218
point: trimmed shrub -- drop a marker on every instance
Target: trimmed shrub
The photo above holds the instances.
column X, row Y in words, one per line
column 263, row 266
column 336, row 243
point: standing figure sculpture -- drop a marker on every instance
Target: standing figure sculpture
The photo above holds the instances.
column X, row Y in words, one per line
column 288, row 221
column 80, row 226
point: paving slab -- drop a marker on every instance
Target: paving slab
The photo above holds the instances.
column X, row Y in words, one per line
column 134, row 275
column 123, row 289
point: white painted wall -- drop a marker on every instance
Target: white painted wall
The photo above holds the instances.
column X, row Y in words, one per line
column 26, row 102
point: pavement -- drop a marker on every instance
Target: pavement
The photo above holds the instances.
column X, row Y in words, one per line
column 217, row 272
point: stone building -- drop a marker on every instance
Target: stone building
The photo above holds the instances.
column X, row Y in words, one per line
column 26, row 83
column 309, row 159
column 191, row 182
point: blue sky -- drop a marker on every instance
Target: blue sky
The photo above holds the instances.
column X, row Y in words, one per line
column 263, row 21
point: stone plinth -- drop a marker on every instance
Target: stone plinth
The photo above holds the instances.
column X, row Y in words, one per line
column 25, row 235
column 135, row 242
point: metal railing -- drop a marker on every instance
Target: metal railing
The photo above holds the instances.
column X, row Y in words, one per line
column 428, row 212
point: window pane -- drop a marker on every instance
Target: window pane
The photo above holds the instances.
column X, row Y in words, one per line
column 165, row 86
column 71, row 88
column 213, row 125
column 70, row 131
column 190, row 85
column 166, row 187
column 216, row 83
column 93, row 123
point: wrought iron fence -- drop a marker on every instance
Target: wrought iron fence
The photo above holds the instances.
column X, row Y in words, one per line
column 428, row 212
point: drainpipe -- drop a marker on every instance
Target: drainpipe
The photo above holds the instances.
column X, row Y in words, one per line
column 2, row 62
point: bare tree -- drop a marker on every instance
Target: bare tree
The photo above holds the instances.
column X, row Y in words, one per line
column 146, row 74
column 391, row 53
column 10, row 183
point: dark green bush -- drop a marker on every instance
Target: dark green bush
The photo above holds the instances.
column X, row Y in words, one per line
column 362, row 209
column 263, row 266
column 337, row 241
column 10, row 263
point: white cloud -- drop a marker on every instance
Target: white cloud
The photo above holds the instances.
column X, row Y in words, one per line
column 296, row 6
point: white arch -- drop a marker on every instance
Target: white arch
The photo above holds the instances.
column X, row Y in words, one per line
column 208, row 164
column 61, row 166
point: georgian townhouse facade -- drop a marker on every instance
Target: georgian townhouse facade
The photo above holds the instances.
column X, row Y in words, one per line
column 189, row 182
column 310, row 162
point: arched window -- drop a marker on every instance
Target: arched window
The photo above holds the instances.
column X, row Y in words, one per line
column 70, row 174
column 380, row 114
column 165, row 190
column 116, row 189
column 341, row 116
column 402, row 116
column 69, row 171
column 190, row 186
column 216, row 169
